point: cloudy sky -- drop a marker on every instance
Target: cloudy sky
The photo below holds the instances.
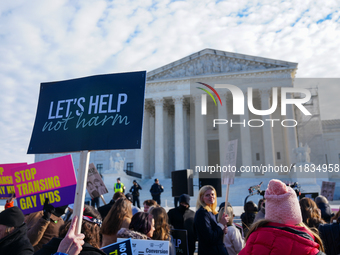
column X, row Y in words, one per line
column 45, row 40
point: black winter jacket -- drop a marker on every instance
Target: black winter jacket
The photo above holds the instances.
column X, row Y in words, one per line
column 16, row 242
column 330, row 236
column 135, row 190
column 210, row 235
column 326, row 212
column 104, row 210
column 181, row 218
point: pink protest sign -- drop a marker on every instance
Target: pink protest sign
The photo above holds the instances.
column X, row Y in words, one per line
column 53, row 179
column 6, row 180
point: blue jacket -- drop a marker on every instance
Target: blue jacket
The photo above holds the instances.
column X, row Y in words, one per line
column 210, row 235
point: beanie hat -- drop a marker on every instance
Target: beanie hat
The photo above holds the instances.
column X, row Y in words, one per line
column 12, row 217
column 282, row 205
column 129, row 197
column 184, row 199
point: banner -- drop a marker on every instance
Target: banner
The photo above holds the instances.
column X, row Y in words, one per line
column 181, row 241
column 53, row 179
column 119, row 248
column 230, row 163
column 148, row 247
column 95, row 185
column 102, row 112
column 327, row 190
column 6, row 180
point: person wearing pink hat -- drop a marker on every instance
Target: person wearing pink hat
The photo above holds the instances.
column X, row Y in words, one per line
column 282, row 232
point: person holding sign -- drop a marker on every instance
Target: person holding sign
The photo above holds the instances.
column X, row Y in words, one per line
column 72, row 243
column 44, row 225
column 183, row 218
column 92, row 190
column 90, row 230
column 210, row 233
column 233, row 240
column 119, row 186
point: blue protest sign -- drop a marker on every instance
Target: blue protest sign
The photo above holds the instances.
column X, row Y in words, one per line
column 102, row 112
column 181, row 241
column 119, row 248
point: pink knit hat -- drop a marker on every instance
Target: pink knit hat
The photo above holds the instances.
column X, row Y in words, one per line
column 282, row 205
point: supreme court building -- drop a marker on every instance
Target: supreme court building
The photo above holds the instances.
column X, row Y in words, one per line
column 176, row 135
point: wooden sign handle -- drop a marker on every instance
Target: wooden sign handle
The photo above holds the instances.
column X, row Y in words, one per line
column 79, row 199
column 101, row 196
column 226, row 198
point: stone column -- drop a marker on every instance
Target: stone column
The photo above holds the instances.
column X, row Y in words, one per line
column 152, row 142
column 186, row 108
column 223, row 130
column 290, row 134
column 159, row 138
column 142, row 155
column 179, row 133
column 245, row 138
column 267, row 129
column 167, row 138
column 200, row 134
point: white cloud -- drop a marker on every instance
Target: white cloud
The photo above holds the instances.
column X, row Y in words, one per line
column 55, row 40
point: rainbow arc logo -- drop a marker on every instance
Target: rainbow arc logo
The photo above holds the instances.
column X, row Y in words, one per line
column 204, row 97
column 209, row 93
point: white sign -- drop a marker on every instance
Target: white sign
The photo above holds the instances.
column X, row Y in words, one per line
column 230, row 163
column 148, row 247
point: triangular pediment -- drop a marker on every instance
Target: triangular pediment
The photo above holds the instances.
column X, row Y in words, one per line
column 214, row 62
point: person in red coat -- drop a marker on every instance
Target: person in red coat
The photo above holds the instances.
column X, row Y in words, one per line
column 282, row 232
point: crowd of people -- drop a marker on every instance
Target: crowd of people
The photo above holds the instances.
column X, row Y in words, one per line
column 279, row 224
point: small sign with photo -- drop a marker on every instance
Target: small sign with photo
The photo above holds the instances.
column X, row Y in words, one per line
column 327, row 190
column 95, row 185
